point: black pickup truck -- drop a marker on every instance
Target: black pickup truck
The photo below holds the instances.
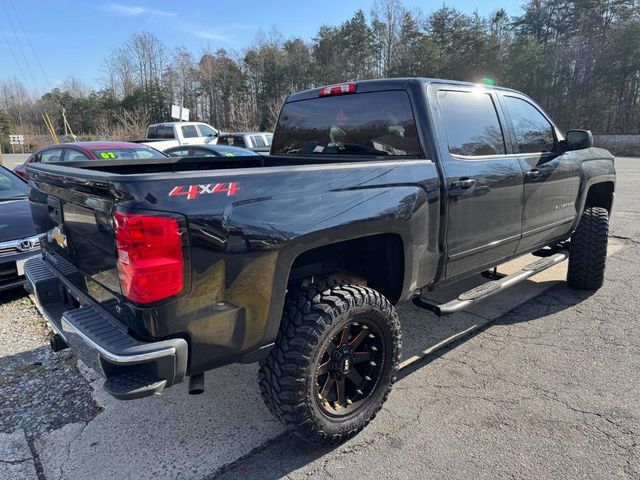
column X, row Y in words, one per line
column 375, row 192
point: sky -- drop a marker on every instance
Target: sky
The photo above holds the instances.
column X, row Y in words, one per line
column 73, row 37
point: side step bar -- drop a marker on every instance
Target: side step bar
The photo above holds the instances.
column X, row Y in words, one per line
column 488, row 289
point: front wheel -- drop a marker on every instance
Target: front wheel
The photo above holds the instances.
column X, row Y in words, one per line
column 334, row 362
column 588, row 252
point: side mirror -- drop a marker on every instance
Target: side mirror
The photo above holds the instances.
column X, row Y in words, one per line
column 578, row 140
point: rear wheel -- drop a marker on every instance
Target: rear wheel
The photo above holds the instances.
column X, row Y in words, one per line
column 589, row 250
column 334, row 362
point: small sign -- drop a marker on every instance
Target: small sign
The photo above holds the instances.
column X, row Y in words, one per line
column 16, row 139
column 180, row 113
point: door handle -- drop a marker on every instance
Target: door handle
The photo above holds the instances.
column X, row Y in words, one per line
column 463, row 184
column 535, row 173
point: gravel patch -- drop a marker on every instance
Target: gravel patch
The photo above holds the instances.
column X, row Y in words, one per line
column 39, row 390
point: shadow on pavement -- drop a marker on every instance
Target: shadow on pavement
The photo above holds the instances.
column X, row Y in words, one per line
column 288, row 453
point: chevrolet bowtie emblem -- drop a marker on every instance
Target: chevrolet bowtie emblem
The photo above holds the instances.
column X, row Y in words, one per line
column 59, row 237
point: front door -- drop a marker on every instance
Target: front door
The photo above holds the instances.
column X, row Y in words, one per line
column 552, row 179
column 484, row 180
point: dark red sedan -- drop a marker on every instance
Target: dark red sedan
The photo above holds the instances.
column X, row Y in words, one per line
column 79, row 151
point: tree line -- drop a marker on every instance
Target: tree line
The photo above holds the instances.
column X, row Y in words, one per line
column 580, row 59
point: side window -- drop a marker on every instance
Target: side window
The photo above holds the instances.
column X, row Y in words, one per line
column 238, row 142
column 257, row 141
column 51, row 156
column 269, row 138
column 206, row 130
column 182, row 152
column 203, row 152
column 533, row 131
column 71, row 155
column 189, row 131
column 471, row 122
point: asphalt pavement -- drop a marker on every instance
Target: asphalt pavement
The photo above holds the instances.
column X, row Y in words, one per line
column 547, row 386
column 10, row 160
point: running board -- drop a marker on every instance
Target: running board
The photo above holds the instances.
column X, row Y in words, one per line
column 470, row 297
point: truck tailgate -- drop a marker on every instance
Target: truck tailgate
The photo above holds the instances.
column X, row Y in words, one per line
column 77, row 216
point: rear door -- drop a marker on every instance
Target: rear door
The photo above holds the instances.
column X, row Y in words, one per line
column 551, row 179
column 484, row 179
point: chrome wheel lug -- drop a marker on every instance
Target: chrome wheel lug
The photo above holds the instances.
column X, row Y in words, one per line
column 367, row 378
column 373, row 364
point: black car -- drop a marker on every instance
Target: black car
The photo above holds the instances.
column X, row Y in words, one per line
column 208, row 150
column 18, row 239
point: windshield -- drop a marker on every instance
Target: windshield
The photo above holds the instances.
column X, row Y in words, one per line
column 11, row 186
column 376, row 123
column 123, row 153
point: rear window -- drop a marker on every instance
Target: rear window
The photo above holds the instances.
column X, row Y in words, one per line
column 160, row 131
column 376, row 123
column 123, row 153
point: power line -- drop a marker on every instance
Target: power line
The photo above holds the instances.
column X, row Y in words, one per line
column 24, row 57
column 6, row 39
column 33, row 50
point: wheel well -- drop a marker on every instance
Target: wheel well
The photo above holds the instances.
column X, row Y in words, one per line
column 377, row 260
column 600, row 195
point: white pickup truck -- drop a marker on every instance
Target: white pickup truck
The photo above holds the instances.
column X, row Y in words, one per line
column 173, row 134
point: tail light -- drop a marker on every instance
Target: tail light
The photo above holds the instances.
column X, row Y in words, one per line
column 338, row 89
column 150, row 256
column 21, row 173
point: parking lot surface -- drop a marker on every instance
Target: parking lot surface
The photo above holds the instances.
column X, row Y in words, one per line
column 548, row 385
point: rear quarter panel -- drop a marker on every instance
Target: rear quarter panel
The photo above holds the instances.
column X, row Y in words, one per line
column 243, row 245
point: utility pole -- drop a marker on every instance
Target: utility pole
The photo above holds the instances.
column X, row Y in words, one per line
column 65, row 123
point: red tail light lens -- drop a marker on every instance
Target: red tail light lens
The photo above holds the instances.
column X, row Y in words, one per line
column 338, row 89
column 150, row 258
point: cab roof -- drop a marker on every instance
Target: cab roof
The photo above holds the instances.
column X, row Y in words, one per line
column 364, row 86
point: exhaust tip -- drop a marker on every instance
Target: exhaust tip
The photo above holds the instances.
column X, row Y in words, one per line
column 196, row 384
column 57, row 343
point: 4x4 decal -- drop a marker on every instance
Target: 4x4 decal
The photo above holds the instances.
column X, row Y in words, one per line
column 192, row 191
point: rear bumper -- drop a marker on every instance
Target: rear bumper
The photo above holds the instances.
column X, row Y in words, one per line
column 132, row 368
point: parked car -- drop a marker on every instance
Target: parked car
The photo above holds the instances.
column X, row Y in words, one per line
column 174, row 134
column 79, row 151
column 375, row 192
column 18, row 239
column 257, row 141
column 210, row 151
